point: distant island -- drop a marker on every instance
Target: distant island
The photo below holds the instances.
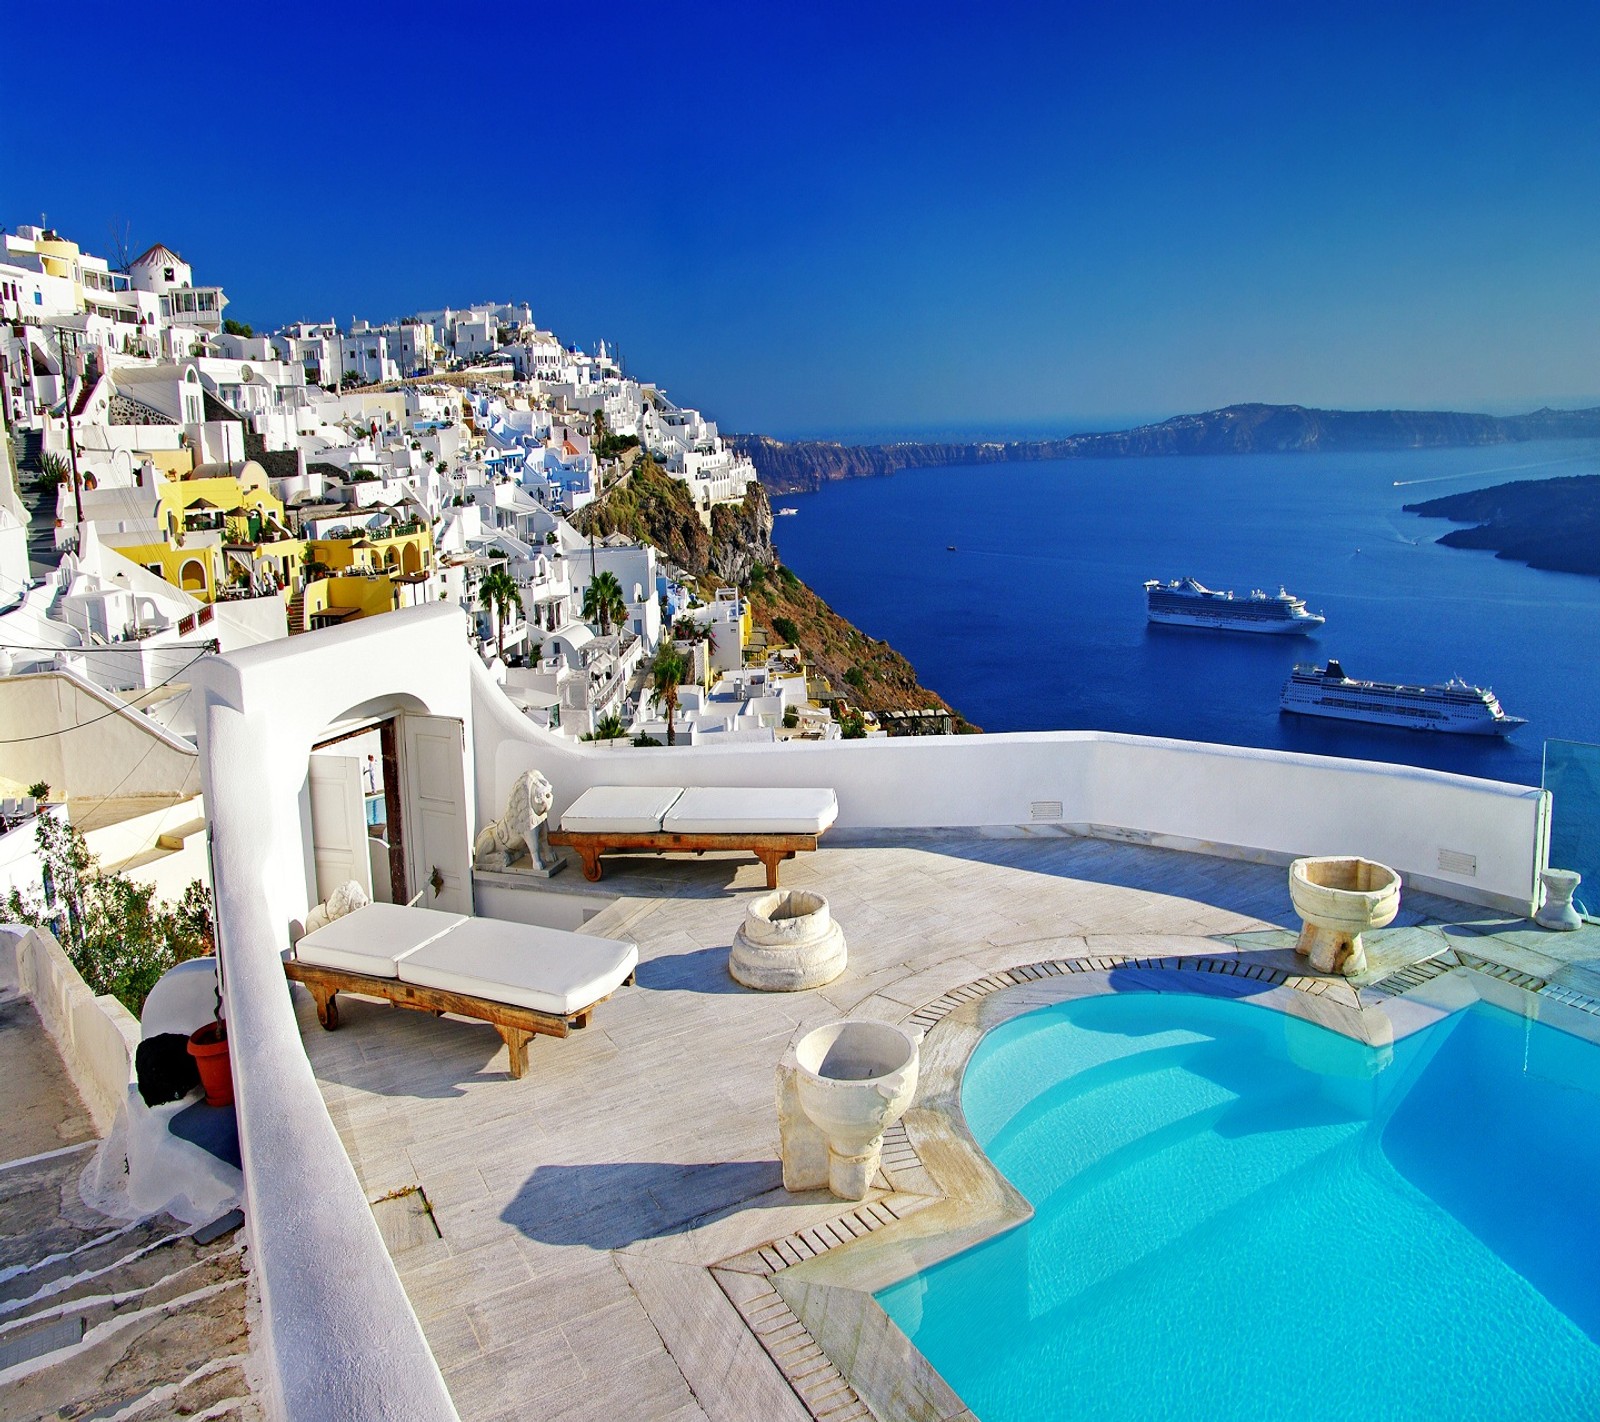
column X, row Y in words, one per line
column 797, row 466
column 1552, row 524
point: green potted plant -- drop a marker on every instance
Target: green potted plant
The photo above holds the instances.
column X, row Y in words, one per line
column 208, row 1045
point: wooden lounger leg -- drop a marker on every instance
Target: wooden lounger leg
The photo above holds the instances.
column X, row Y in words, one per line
column 327, row 1008
column 772, row 858
column 591, row 861
column 516, row 1040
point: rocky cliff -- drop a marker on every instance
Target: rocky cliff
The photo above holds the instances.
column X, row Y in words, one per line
column 651, row 506
column 797, row 466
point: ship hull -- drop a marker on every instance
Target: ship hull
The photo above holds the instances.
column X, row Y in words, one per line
column 1284, row 627
column 1441, row 727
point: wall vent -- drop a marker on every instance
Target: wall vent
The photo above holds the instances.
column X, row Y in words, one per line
column 1046, row 809
column 1453, row 861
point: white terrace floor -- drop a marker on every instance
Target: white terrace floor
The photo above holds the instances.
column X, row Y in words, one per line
column 578, row 1210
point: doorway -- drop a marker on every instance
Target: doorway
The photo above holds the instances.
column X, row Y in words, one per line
column 385, row 804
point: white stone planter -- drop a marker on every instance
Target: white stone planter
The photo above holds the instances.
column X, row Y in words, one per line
column 1557, row 911
column 787, row 942
column 851, row 1082
column 1340, row 898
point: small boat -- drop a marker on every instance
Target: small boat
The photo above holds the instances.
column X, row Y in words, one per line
column 787, row 512
column 950, row 548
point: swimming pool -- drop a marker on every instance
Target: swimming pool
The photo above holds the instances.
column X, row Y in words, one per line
column 1240, row 1214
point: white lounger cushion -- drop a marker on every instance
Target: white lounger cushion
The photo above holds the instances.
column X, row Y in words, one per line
column 547, row 969
column 374, row 939
column 620, row 809
column 740, row 810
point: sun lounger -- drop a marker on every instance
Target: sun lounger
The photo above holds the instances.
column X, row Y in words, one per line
column 773, row 824
column 520, row 979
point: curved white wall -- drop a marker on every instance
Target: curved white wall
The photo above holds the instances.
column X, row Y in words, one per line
column 338, row 1334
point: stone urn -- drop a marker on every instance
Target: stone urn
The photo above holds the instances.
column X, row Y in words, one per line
column 851, row 1081
column 788, row 941
column 1339, row 899
column 1557, row 911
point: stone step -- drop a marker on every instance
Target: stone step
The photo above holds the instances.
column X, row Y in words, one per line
column 110, row 1318
column 176, row 838
column 174, row 1358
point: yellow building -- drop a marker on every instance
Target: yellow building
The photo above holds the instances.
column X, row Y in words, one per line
column 399, row 549
column 214, row 527
column 344, row 597
column 368, row 572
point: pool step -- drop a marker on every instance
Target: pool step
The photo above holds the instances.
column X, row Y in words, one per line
column 1101, row 1112
column 1140, row 1198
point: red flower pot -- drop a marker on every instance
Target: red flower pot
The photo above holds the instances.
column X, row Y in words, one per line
column 208, row 1046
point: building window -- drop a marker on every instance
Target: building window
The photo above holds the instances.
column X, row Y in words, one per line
column 167, row 274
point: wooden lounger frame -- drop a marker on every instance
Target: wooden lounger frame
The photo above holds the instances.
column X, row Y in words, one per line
column 770, row 849
column 517, row 1025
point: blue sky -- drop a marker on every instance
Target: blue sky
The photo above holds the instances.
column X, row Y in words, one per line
column 832, row 218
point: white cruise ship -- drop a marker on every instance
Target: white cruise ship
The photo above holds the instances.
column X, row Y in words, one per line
column 1454, row 707
column 1187, row 603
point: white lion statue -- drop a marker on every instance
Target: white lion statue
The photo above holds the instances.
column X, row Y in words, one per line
column 524, row 825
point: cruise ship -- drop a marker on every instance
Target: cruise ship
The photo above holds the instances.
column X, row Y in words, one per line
column 1454, row 707
column 1187, row 603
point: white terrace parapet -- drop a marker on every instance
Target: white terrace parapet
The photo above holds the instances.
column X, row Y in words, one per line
column 1477, row 841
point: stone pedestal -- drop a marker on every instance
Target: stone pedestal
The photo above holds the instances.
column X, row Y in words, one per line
column 1557, row 912
column 787, row 942
column 847, row 1084
column 1339, row 899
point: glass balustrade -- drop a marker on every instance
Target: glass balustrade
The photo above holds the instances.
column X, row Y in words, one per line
column 1572, row 776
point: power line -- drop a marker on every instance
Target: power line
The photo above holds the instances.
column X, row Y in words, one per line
column 116, row 711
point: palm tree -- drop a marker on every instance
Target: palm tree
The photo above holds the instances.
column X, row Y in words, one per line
column 498, row 593
column 667, row 672
column 603, row 602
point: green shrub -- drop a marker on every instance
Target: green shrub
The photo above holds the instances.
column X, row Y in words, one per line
column 53, row 471
column 857, row 678
column 119, row 936
column 785, row 628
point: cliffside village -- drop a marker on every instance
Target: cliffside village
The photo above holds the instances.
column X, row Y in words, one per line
column 216, row 488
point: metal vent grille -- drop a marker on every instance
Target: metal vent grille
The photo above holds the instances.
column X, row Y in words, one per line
column 1453, row 861
column 1047, row 809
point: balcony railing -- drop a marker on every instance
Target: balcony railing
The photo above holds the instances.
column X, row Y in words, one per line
column 1572, row 776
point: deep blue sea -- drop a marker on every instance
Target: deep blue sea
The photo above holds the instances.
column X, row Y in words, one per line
column 1037, row 620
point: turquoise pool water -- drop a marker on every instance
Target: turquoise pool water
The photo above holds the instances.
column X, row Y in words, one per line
column 1242, row 1215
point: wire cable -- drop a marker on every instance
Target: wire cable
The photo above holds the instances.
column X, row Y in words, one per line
column 118, row 710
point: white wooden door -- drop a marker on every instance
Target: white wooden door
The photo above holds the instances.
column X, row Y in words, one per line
column 338, row 824
column 432, row 770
